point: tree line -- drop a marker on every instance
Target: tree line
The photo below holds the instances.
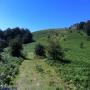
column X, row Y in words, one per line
column 20, row 34
column 85, row 26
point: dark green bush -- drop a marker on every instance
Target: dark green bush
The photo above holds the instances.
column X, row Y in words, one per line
column 40, row 50
column 16, row 47
column 88, row 38
column 7, row 80
column 81, row 45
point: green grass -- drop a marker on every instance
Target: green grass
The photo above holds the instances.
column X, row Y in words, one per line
column 50, row 75
column 79, row 69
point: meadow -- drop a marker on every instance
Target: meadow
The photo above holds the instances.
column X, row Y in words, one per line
column 36, row 73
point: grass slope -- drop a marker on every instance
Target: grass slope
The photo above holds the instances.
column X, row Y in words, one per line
column 51, row 75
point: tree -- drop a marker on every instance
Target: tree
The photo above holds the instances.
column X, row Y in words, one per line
column 81, row 25
column 27, row 37
column 55, row 51
column 1, row 34
column 40, row 50
column 25, row 34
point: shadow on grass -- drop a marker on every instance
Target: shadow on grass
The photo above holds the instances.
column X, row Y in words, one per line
column 25, row 58
column 65, row 61
column 67, row 49
column 58, row 62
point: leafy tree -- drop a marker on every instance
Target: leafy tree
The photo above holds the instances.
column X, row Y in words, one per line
column 1, row 34
column 81, row 25
column 24, row 34
column 40, row 50
column 27, row 38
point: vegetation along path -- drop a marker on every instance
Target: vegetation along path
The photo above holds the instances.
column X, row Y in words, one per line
column 36, row 74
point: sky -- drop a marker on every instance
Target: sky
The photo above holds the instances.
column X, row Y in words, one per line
column 42, row 14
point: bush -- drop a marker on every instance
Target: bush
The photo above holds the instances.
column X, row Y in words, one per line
column 40, row 50
column 7, row 80
column 16, row 47
column 55, row 51
column 81, row 45
column 88, row 38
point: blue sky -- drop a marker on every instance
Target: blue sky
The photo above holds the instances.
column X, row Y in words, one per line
column 42, row 14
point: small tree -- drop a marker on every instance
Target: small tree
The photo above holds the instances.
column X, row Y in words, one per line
column 16, row 47
column 40, row 50
column 55, row 51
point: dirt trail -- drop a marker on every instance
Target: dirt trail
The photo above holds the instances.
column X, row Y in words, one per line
column 36, row 74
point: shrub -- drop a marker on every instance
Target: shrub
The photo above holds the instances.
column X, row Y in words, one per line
column 48, row 36
column 16, row 47
column 40, row 50
column 88, row 38
column 81, row 45
column 70, row 31
column 55, row 51
column 7, row 80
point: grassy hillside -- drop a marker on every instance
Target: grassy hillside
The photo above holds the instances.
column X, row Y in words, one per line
column 50, row 75
column 78, row 71
column 47, row 33
column 75, row 75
